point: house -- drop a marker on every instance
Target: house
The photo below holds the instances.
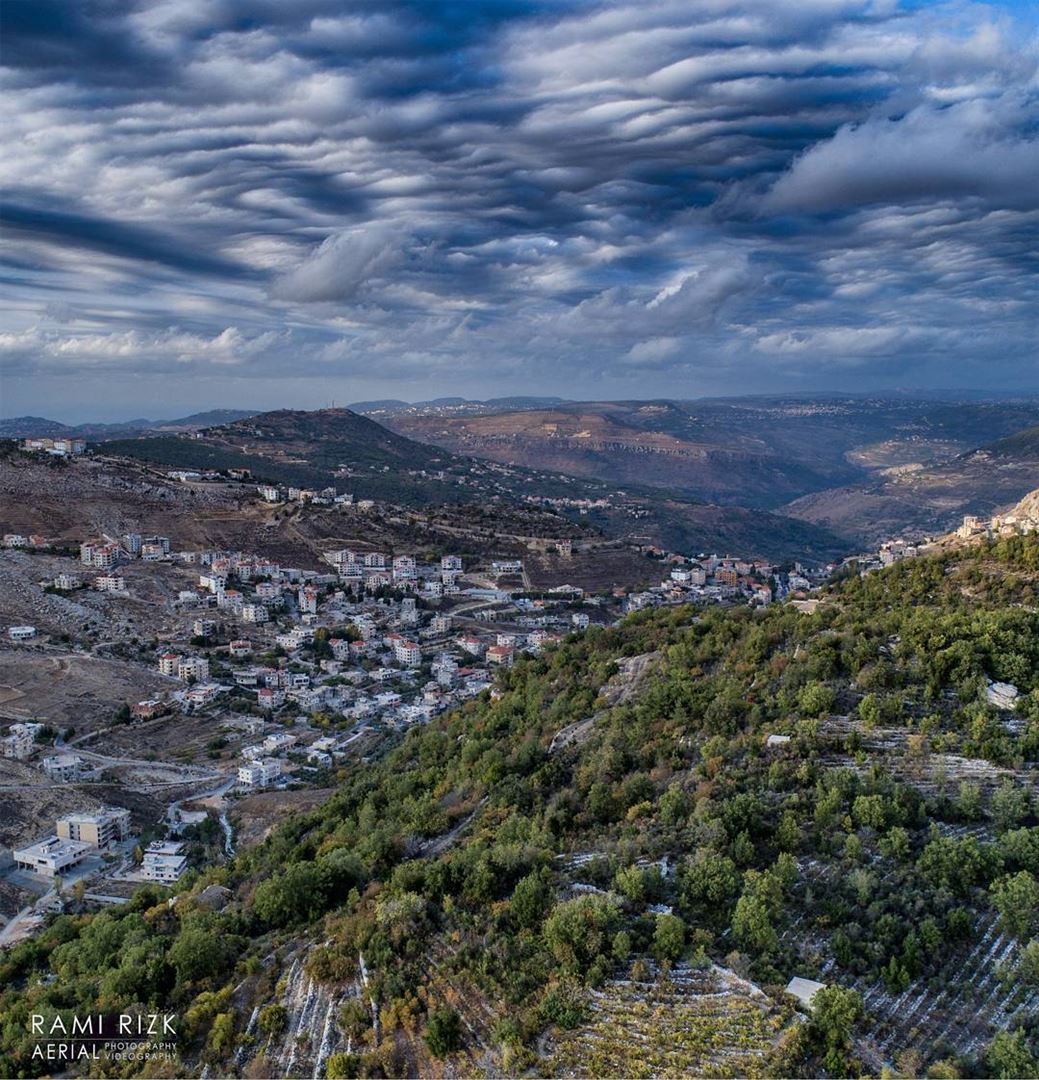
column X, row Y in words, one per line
column 193, row 667
column 145, row 710
column 240, row 647
column 451, row 563
column 66, row 582
column 99, row 830
column 501, row 654
column 404, row 568
column 19, row 740
column 407, row 652
column 579, row 620
column 470, row 644
column 164, row 862
column 21, row 633
column 169, row 663
column 51, row 857
column 14, row 540
column 280, row 740
column 270, row 698
column 62, row 768
column 255, row 613
column 110, row 583
column 259, row 773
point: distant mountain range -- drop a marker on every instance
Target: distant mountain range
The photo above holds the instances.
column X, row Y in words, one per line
column 760, row 452
column 356, row 454
column 38, row 427
column 854, row 468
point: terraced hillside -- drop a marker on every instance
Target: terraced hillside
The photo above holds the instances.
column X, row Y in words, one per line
column 616, row 861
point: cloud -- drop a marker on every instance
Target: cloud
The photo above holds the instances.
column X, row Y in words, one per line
column 519, row 195
column 340, row 267
column 976, row 149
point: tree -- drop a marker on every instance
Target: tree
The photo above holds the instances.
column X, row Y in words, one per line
column 815, row 699
column 342, row 1067
column 443, row 1032
column 221, row 1034
column 530, row 900
column 577, row 930
column 1010, row 1058
column 1016, row 897
column 669, row 937
column 752, row 926
column 834, row 1013
column 272, row 1020
column 197, row 954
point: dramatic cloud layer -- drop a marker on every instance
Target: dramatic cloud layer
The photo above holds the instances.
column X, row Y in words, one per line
column 268, row 202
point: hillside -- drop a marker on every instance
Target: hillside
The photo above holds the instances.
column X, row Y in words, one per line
column 757, row 452
column 917, row 501
column 341, row 448
column 607, row 867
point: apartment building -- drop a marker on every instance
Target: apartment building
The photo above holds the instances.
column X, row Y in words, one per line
column 164, row 862
column 62, row 768
column 259, row 773
column 100, row 830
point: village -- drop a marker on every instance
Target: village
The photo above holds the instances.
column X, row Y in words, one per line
column 265, row 678
column 268, row 678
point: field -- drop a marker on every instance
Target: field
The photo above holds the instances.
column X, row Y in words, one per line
column 707, row 1023
column 70, row 689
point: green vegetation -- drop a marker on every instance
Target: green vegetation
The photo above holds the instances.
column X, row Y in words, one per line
column 500, row 890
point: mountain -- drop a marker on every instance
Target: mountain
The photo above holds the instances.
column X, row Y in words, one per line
column 32, row 427
column 615, row 862
column 25, row 427
column 356, row 454
column 759, row 452
column 205, row 419
column 914, row 501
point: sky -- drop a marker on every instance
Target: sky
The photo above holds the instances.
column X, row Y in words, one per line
column 261, row 204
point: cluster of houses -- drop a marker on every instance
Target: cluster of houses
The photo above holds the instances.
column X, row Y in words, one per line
column 715, row 579
column 20, row 743
column 1015, row 523
column 77, row 837
column 58, row 447
column 275, row 493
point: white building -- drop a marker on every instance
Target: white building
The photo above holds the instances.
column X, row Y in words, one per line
column 259, row 773
column 21, row 633
column 254, row 613
column 52, row 856
column 19, row 740
column 62, row 768
column 164, row 862
column 110, row 583
column 193, row 667
column 407, row 652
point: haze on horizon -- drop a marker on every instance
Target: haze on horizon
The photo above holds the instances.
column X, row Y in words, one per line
column 252, row 204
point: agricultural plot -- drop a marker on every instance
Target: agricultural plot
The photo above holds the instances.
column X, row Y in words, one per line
column 706, row 1023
